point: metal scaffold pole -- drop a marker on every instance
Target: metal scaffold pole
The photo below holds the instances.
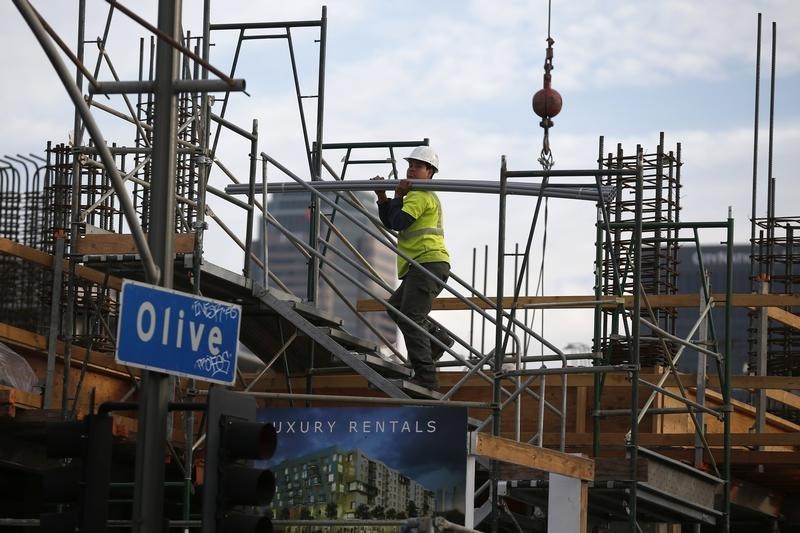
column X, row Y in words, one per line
column 498, row 339
column 633, row 445
column 148, row 505
column 726, row 386
column 316, row 175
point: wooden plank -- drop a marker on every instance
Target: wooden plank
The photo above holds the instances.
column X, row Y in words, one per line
column 95, row 276
column 784, row 317
column 22, row 337
column 613, row 380
column 43, row 259
column 679, row 439
column 20, row 398
column 123, row 244
column 742, row 407
column 453, row 304
column 582, row 301
column 786, row 398
column 25, row 339
column 7, row 395
column 760, row 382
column 584, row 505
column 524, row 454
column 26, row 253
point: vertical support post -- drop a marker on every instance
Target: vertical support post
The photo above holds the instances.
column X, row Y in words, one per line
column 473, row 282
column 203, row 163
column 204, row 159
column 469, row 493
column 762, row 330
column 770, row 178
column 498, row 338
column 69, row 315
column 148, row 505
column 517, row 362
column 755, row 158
column 323, row 39
column 633, row 449
column 264, row 237
column 542, row 392
column 598, row 310
column 249, row 263
column 55, row 322
column 727, row 407
column 485, row 290
column 313, row 232
column 700, row 378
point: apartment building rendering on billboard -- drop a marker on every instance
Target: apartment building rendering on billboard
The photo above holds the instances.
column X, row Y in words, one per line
column 336, row 483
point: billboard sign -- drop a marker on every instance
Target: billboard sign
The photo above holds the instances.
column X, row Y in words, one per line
column 365, row 463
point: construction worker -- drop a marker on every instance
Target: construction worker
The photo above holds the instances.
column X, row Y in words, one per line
column 417, row 217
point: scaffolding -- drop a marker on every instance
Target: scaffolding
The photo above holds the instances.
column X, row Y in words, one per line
column 80, row 194
column 774, row 344
column 660, row 199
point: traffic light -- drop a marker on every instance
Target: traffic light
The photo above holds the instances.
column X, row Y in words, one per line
column 233, row 485
column 79, row 486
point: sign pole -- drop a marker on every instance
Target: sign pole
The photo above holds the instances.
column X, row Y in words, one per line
column 148, row 505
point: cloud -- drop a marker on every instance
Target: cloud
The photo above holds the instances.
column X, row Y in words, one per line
column 611, row 43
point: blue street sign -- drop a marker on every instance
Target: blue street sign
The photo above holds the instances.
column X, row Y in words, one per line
column 177, row 333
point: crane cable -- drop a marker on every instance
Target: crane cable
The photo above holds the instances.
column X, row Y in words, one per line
column 546, row 157
column 547, row 101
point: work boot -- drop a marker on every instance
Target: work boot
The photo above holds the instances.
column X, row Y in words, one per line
column 441, row 335
column 425, row 382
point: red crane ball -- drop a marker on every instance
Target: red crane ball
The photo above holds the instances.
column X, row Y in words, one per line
column 547, row 102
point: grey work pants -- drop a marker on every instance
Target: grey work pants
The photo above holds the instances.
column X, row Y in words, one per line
column 414, row 298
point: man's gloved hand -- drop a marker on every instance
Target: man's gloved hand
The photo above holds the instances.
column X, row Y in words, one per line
column 402, row 188
column 381, row 194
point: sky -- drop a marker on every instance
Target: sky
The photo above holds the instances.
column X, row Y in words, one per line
column 462, row 74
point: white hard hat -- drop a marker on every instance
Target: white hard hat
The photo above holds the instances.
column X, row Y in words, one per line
column 426, row 154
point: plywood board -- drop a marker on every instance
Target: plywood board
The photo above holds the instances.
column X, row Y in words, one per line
column 530, row 456
column 123, row 244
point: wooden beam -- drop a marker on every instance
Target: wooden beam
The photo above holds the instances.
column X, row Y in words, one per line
column 17, row 397
column 22, row 337
column 785, row 397
column 523, row 454
column 123, row 244
column 741, row 407
column 760, row 382
column 654, row 440
column 784, row 317
column 27, row 340
column 43, row 259
column 616, row 380
column 657, row 301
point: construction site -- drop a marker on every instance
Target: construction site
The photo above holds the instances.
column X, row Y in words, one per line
column 681, row 416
